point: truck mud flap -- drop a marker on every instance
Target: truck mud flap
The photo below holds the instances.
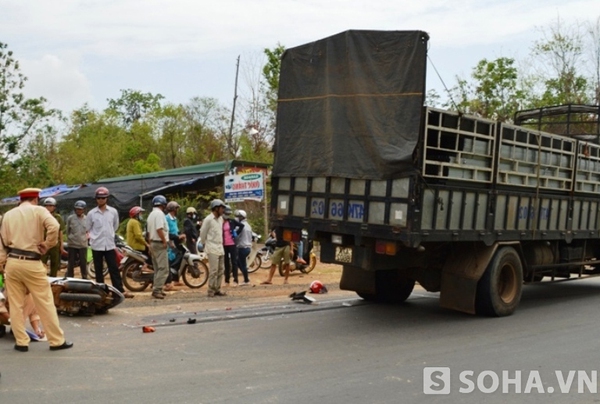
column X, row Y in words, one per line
column 461, row 273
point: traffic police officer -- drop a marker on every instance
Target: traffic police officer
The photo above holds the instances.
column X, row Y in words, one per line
column 21, row 249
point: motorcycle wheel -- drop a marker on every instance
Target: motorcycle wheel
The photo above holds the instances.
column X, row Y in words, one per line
column 311, row 264
column 302, row 268
column 92, row 270
column 129, row 276
column 255, row 264
column 196, row 276
column 266, row 261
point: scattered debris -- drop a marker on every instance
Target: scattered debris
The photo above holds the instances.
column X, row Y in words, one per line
column 148, row 329
column 172, row 320
column 301, row 296
column 191, row 321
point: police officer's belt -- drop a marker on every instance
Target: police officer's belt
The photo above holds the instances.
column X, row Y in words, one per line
column 24, row 254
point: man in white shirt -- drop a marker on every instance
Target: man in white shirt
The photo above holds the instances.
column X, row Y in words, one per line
column 211, row 234
column 158, row 233
column 102, row 223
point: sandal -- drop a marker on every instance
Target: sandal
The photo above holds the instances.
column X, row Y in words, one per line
column 266, row 283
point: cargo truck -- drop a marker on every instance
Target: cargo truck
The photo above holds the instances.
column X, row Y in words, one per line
column 397, row 192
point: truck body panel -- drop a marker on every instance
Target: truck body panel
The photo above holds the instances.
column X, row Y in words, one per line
column 432, row 195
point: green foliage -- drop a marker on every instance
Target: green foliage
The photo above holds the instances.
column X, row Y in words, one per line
column 22, row 120
column 134, row 105
column 494, row 92
column 149, row 165
column 271, row 72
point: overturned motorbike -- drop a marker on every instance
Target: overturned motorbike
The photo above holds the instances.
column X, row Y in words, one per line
column 83, row 296
column 137, row 277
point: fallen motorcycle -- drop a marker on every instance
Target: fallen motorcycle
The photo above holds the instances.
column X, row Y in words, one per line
column 190, row 267
column 83, row 296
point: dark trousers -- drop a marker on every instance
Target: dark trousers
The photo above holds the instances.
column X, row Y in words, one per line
column 113, row 268
column 76, row 253
column 243, row 254
column 231, row 263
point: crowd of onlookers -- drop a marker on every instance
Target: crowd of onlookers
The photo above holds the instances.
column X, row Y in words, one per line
column 224, row 235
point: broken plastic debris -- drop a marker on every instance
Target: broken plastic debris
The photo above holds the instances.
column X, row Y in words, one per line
column 148, row 329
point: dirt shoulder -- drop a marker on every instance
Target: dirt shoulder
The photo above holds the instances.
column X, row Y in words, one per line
column 184, row 299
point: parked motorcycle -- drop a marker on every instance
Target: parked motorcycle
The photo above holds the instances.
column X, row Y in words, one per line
column 266, row 252
column 83, row 296
column 190, row 267
column 308, row 255
column 254, row 259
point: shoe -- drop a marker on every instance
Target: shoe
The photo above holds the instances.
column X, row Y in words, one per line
column 219, row 293
column 168, row 288
column 226, row 284
column 21, row 348
column 65, row 345
column 158, row 295
column 128, row 295
column 211, row 294
column 301, row 261
column 245, row 284
column 266, row 283
column 235, row 284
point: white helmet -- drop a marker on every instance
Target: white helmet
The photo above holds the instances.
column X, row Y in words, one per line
column 49, row 202
column 241, row 213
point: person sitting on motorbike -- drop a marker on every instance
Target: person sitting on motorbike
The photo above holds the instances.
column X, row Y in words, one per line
column 134, row 237
column 300, row 248
column 191, row 229
column 174, row 239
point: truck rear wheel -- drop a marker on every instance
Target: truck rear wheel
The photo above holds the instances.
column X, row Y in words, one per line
column 499, row 289
column 391, row 287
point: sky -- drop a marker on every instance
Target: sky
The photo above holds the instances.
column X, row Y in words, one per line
column 85, row 51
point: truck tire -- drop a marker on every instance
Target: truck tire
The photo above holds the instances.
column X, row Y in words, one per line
column 391, row 287
column 499, row 289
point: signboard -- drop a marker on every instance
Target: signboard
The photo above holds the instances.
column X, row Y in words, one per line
column 248, row 186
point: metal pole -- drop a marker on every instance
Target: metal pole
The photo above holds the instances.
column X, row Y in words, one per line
column 230, row 139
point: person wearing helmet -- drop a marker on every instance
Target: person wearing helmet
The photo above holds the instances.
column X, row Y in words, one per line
column 158, row 233
column 77, row 243
column 54, row 253
column 231, row 229
column 174, row 240
column 102, row 223
column 244, row 245
column 211, row 234
column 190, row 228
column 134, row 236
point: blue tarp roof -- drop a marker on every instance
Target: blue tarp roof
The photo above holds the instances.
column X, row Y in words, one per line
column 56, row 190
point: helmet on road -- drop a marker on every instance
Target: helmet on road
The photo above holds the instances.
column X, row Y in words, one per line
column 190, row 210
column 49, row 202
column 317, row 287
column 241, row 213
column 159, row 200
column 171, row 206
column 133, row 212
column 215, row 203
column 102, row 192
column 80, row 205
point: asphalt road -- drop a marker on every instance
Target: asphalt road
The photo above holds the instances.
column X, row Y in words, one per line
column 338, row 351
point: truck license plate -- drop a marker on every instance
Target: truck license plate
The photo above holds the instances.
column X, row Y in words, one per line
column 343, row 254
